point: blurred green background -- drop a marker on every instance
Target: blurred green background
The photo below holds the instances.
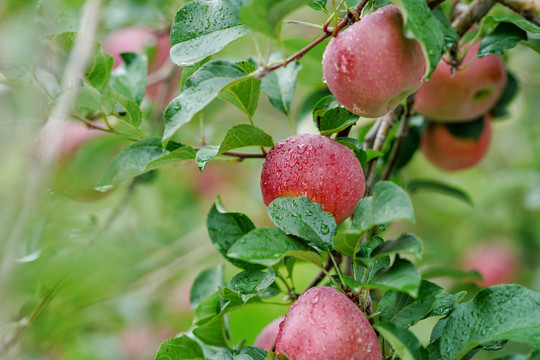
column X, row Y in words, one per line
column 109, row 277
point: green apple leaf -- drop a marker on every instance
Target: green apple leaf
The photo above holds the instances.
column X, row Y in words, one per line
column 450, row 35
column 129, row 79
column 416, row 185
column 442, row 271
column 401, row 276
column 249, row 283
column 238, row 136
column 388, row 203
column 280, row 85
column 225, row 229
column 406, row 243
column 141, row 157
column 89, row 100
column 200, row 89
column 318, row 5
column 213, row 332
column 267, row 246
column 265, row 16
column 300, row 217
column 502, row 312
column 180, row 348
column 206, row 283
column 417, row 18
column 402, row 340
column 330, row 117
column 345, row 241
column 509, row 93
column 123, row 108
column 202, row 28
column 245, row 94
column 505, row 36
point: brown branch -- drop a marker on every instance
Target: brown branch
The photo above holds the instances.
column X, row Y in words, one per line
column 163, row 73
column 528, row 9
column 477, row 10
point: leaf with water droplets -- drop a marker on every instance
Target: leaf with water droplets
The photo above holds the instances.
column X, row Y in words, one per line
column 280, row 85
column 401, row 276
column 267, row 246
column 205, row 284
column 406, row 243
column 250, row 283
column 141, row 157
column 202, row 28
column 502, row 312
column 238, row 136
column 244, row 94
column 402, row 340
column 200, row 89
column 330, row 117
column 388, row 203
column 300, row 217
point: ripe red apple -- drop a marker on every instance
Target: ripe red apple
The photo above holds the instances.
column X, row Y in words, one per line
column 371, row 66
column 324, row 324
column 495, row 262
column 139, row 40
column 467, row 94
column 267, row 337
column 448, row 152
column 318, row 168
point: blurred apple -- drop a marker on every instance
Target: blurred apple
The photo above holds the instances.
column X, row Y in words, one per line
column 141, row 343
column 496, row 263
column 267, row 337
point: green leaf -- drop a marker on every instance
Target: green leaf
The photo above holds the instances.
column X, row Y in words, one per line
column 346, row 241
column 244, row 94
column 280, row 85
column 450, row 35
column 89, row 100
column 403, row 310
column 415, row 185
column 491, row 22
column 129, row 79
column 202, row 28
column 505, row 36
column 180, row 348
column 503, row 312
column 189, row 70
column 267, row 246
column 141, row 157
column 402, row 340
column 417, row 18
column 225, row 229
column 249, row 283
column 300, row 217
column 509, row 93
column 330, row 117
column 401, row 276
column 442, row 271
column 406, row 243
column 238, row 136
column 124, row 108
column 318, row 5
column 213, row 332
column 388, row 203
column 205, row 284
column 265, row 16
column 200, row 89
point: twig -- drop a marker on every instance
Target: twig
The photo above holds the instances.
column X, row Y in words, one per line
column 239, row 155
column 320, row 275
column 529, row 9
column 477, row 10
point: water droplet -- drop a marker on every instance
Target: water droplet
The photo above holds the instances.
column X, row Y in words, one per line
column 324, row 229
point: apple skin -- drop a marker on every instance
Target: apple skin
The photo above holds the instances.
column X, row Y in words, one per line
column 267, row 337
column 371, row 66
column 495, row 262
column 467, row 94
column 318, row 168
column 450, row 153
column 324, row 324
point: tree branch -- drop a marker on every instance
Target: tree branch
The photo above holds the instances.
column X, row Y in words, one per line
column 477, row 10
column 529, row 9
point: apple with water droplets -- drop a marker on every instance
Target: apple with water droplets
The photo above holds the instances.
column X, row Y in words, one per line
column 324, row 324
column 371, row 66
column 267, row 337
column 449, row 152
column 467, row 94
column 317, row 167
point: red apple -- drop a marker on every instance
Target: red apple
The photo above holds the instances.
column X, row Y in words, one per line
column 324, row 324
column 495, row 262
column 318, row 168
column 467, row 94
column 371, row 66
column 267, row 338
column 448, row 152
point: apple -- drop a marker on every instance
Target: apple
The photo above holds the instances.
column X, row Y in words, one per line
column 494, row 261
column 324, row 324
column 467, row 94
column 371, row 66
column 451, row 153
column 267, row 337
column 318, row 168
column 141, row 39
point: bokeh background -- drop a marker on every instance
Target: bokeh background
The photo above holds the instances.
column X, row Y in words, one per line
column 108, row 276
